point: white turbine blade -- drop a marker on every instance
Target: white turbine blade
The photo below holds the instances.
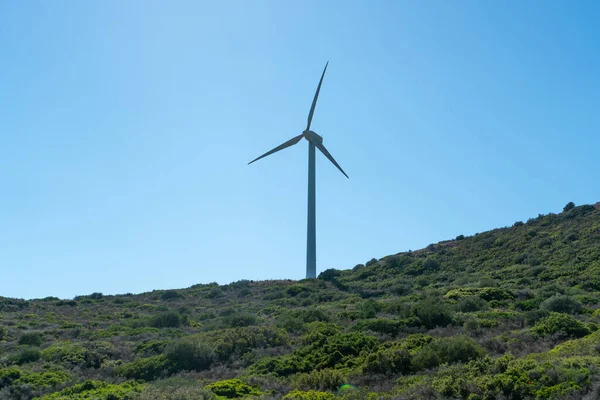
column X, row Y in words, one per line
column 330, row 157
column 289, row 143
column 314, row 103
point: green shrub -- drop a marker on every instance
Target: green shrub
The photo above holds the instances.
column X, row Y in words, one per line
column 447, row 350
column 330, row 274
column 388, row 361
column 31, row 339
column 44, row 379
column 372, row 261
column 528, row 305
column 401, row 289
column 368, row 309
column 64, row 352
column 176, row 388
column 146, row 369
column 558, row 323
column 3, row 332
column 325, row 379
column 390, row 327
column 486, row 293
column 239, row 341
column 426, row 358
column 190, row 355
column 241, row 320
column 169, row 319
column 314, row 314
column 471, row 304
column 233, row 388
column 96, row 390
column 432, row 313
column 291, row 324
column 570, row 205
column 25, row 355
column 561, row 304
column 310, row 395
column 170, row 295
column 430, row 264
column 151, row 347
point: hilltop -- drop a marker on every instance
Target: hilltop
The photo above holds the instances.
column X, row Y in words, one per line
column 511, row 313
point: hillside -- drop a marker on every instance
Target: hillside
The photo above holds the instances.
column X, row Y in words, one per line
column 507, row 314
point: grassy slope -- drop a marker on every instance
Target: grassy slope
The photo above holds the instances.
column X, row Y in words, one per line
column 509, row 313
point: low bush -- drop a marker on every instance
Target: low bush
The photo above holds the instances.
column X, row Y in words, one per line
column 146, row 369
column 562, row 304
column 233, row 388
column 3, row 333
column 31, row 339
column 446, row 350
column 471, row 304
column 190, row 355
column 432, row 313
column 25, row 355
column 562, row 324
column 170, row 295
column 176, row 388
column 325, row 379
column 169, row 319
column 98, row 391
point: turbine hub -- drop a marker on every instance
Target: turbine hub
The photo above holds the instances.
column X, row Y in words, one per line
column 313, row 137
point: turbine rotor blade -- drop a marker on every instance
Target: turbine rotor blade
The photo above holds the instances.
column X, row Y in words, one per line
column 314, row 103
column 289, row 143
column 330, row 157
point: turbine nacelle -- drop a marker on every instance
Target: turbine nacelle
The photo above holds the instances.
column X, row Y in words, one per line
column 313, row 137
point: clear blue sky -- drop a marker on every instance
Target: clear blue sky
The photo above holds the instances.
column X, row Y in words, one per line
column 126, row 127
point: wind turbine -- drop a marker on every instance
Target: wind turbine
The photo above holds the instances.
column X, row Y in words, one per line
column 314, row 140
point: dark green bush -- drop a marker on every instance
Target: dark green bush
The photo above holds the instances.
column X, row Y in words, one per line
column 175, row 388
column 190, row 355
column 390, row 327
column 425, row 358
column 432, row 313
column 558, row 323
column 165, row 320
column 471, row 304
column 241, row 320
column 388, row 361
column 447, row 350
column 31, row 339
column 561, row 304
column 570, row 205
column 430, row 264
column 528, row 305
column 325, row 379
column 233, row 388
column 151, row 347
column 330, row 274
column 146, row 369
column 25, row 355
column 372, row 261
column 368, row 309
column 314, row 314
column 97, row 390
column 170, row 295
column 401, row 289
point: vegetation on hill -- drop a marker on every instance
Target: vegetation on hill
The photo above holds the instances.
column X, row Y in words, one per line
column 507, row 314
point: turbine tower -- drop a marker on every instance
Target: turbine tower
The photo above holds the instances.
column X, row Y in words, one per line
column 314, row 140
